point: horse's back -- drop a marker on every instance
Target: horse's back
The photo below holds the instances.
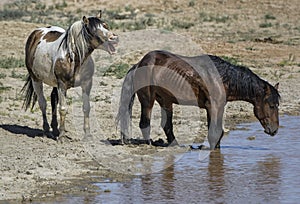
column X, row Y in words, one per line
column 171, row 77
column 189, row 79
column 162, row 58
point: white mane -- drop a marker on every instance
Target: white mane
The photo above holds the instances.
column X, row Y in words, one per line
column 75, row 41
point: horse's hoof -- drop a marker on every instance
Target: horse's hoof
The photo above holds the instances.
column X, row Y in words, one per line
column 50, row 135
column 87, row 138
column 125, row 142
column 63, row 139
column 173, row 143
column 55, row 133
column 148, row 142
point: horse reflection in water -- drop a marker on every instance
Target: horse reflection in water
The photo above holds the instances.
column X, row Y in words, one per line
column 259, row 182
column 205, row 81
column 62, row 59
column 219, row 178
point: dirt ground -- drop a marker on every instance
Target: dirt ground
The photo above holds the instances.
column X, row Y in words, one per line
column 263, row 35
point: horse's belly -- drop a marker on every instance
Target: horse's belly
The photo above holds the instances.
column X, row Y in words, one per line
column 51, row 81
column 187, row 99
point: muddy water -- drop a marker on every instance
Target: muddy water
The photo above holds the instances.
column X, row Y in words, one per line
column 259, row 169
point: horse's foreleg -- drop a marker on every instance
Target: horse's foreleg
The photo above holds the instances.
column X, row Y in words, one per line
column 218, row 145
column 86, row 89
column 62, row 92
column 167, row 125
column 38, row 89
column 54, row 102
column 215, row 127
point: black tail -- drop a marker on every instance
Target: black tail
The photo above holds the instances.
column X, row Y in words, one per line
column 29, row 94
column 126, row 103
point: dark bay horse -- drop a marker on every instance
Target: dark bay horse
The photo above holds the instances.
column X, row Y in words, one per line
column 205, row 81
column 62, row 59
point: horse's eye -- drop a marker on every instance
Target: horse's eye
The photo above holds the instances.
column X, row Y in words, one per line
column 105, row 25
column 273, row 106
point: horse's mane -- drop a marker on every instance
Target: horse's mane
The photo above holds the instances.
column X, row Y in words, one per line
column 75, row 41
column 242, row 82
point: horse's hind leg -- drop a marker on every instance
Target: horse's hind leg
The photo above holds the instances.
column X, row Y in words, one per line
column 146, row 108
column 38, row 89
column 145, row 123
column 167, row 125
column 54, row 102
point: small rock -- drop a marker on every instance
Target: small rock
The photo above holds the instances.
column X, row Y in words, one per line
column 251, row 138
column 107, row 191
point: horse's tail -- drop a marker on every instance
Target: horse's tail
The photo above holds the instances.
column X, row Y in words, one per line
column 29, row 94
column 125, row 107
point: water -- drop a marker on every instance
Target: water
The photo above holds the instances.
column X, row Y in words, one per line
column 263, row 170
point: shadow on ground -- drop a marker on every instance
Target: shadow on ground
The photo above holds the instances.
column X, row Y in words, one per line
column 23, row 130
column 158, row 143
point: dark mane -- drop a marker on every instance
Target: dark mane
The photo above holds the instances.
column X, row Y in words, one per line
column 93, row 23
column 242, row 83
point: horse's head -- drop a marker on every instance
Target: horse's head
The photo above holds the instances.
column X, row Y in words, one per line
column 99, row 34
column 266, row 110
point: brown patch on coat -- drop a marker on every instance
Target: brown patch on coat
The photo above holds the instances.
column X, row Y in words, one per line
column 30, row 49
column 52, row 36
column 65, row 72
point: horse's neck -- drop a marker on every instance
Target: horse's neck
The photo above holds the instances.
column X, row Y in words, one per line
column 77, row 47
column 249, row 92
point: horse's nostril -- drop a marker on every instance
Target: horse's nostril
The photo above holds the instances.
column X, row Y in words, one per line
column 272, row 133
column 113, row 38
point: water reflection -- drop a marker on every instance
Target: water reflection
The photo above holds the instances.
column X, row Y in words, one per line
column 216, row 175
column 161, row 183
column 268, row 179
column 261, row 182
column 212, row 181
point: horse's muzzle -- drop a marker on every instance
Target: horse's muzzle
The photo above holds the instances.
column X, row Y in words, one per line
column 110, row 44
column 271, row 132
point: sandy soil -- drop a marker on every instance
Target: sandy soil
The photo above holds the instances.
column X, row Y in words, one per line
column 33, row 166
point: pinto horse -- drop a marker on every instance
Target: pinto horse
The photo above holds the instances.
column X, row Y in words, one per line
column 62, row 59
column 205, row 81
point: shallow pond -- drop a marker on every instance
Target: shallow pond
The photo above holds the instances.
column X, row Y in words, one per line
column 251, row 167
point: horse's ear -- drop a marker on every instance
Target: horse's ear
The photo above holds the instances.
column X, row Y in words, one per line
column 99, row 15
column 276, row 86
column 85, row 20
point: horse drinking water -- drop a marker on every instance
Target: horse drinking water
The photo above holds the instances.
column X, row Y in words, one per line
column 62, row 59
column 205, row 81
